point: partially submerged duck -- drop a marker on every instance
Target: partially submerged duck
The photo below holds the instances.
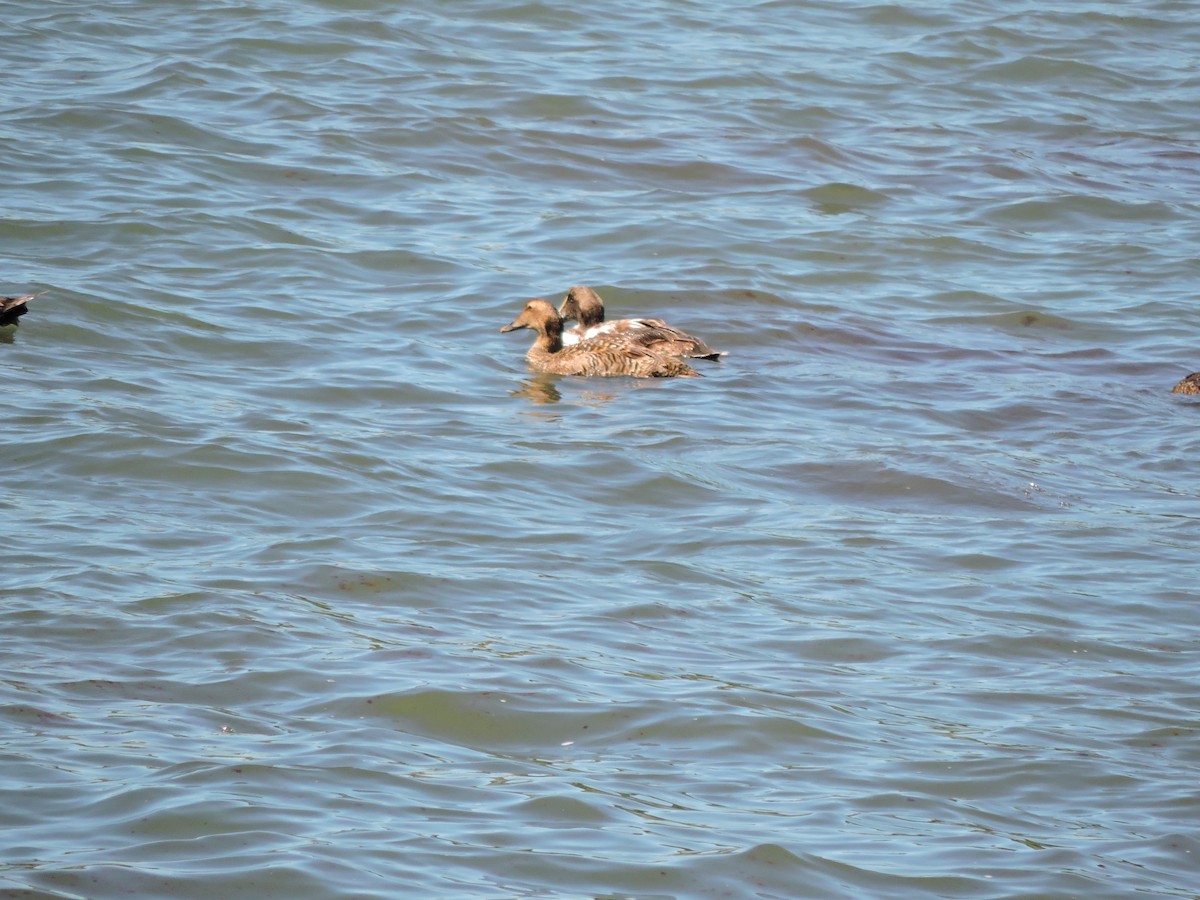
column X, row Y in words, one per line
column 608, row 354
column 12, row 308
column 585, row 306
column 1189, row 385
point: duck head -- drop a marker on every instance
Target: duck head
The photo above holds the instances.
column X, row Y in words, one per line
column 538, row 315
column 584, row 305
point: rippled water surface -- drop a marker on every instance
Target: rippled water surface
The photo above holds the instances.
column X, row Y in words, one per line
column 311, row 589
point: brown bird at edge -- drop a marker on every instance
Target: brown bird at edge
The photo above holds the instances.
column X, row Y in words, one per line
column 12, row 308
column 610, row 354
column 1189, row 385
column 585, row 306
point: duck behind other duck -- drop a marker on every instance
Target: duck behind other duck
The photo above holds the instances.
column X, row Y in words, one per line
column 610, row 354
column 585, row 306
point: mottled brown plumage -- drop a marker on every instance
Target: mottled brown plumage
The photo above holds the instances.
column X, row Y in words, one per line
column 613, row 354
column 12, row 308
column 1189, row 385
column 584, row 305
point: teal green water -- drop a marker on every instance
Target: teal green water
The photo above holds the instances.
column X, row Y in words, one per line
column 311, row 589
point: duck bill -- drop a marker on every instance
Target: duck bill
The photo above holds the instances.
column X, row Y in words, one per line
column 511, row 326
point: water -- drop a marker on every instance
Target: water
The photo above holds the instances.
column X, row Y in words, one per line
column 311, row 589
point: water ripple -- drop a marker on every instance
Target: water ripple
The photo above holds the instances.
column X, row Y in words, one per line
column 311, row 586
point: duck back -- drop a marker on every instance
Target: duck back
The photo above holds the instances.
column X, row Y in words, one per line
column 610, row 355
column 1189, row 385
column 654, row 334
column 12, row 308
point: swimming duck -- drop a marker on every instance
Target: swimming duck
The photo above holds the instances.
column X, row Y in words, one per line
column 609, row 354
column 1189, row 385
column 12, row 308
column 584, row 305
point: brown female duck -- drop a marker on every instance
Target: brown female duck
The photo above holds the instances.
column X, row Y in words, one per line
column 12, row 308
column 584, row 305
column 1189, row 385
column 610, row 354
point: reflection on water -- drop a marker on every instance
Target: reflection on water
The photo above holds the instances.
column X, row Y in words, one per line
column 542, row 389
column 539, row 389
